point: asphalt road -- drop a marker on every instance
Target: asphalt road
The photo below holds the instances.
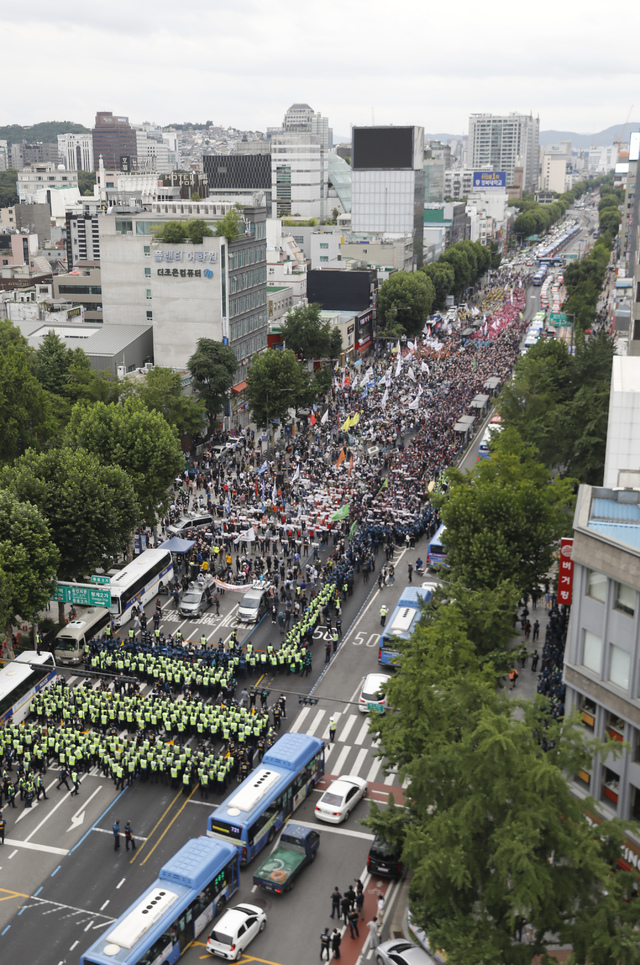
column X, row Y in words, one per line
column 62, row 884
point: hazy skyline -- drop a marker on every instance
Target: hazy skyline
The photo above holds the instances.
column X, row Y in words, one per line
column 356, row 63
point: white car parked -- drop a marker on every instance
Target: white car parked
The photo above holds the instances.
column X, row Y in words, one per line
column 235, row 931
column 340, row 798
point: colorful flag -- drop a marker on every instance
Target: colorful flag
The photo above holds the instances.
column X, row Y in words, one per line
column 351, row 464
column 353, row 529
column 345, row 425
column 341, row 459
column 385, row 485
column 340, row 513
column 263, row 467
column 312, row 419
column 355, row 419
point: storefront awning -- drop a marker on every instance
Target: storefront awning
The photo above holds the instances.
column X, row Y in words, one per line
column 240, row 387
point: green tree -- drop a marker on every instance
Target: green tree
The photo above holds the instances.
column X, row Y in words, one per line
column 8, row 193
column 496, row 254
column 161, row 391
column 51, row 362
column 610, row 220
column 459, row 258
column 493, row 834
column 90, row 508
column 139, row 441
column 231, row 226
column 172, row 232
column 28, row 561
column 443, row 277
column 304, row 332
column 25, row 408
column 213, row 367
column 197, row 230
column 86, row 182
column 503, row 519
column 405, row 299
column 276, row 382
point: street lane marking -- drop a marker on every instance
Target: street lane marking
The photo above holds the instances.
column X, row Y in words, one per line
column 102, row 907
column 45, row 848
column 158, row 822
column 121, row 883
column 12, row 894
column 331, row 830
column 344, row 753
column 177, row 815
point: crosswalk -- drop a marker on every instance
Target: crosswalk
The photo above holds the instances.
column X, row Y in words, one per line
column 352, row 752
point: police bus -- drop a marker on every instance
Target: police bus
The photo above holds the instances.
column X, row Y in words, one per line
column 20, row 680
column 190, row 890
column 403, row 622
column 436, row 553
column 484, row 446
column 253, row 814
column 138, row 582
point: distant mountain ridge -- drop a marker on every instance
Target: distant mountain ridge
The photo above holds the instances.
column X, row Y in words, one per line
column 599, row 139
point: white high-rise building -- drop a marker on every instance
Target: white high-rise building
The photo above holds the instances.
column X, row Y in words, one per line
column 299, row 175
column 502, row 142
column 76, row 151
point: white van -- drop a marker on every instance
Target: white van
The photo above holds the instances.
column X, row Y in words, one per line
column 70, row 643
column 186, row 523
column 254, row 603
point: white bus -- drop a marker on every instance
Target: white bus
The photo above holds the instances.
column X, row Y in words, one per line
column 20, row 680
column 138, row 582
column 71, row 642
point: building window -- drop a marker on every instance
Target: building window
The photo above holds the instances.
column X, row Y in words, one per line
column 149, row 316
column 592, row 653
column 615, row 726
column 147, row 273
column 588, row 711
column 635, row 803
column 625, row 599
column 324, row 244
column 148, row 293
column 610, row 786
column 147, row 249
column 596, row 585
column 619, row 661
column 324, row 258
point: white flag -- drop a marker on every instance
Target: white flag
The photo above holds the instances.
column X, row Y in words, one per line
column 399, row 366
column 249, row 536
column 411, row 373
column 415, row 403
column 420, row 391
column 325, row 418
column 385, row 398
column 424, row 368
column 296, row 474
column 274, row 494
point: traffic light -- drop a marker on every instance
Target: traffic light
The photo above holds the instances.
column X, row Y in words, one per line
column 308, row 701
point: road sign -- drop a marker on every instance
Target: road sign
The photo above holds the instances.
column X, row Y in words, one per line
column 377, row 708
column 101, row 579
column 571, row 256
column 559, row 320
column 84, row 594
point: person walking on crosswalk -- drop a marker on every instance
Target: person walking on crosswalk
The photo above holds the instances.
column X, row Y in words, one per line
column 332, row 730
column 383, row 614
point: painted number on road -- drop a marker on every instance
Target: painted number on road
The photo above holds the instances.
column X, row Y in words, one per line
column 359, row 640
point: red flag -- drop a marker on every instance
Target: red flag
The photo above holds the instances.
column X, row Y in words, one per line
column 256, row 483
column 351, row 464
column 312, row 419
column 341, row 459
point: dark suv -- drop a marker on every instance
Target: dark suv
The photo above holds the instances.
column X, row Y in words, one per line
column 383, row 860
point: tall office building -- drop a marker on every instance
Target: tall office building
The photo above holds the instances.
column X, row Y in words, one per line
column 299, row 175
column 4, row 155
column 504, row 142
column 76, row 151
column 387, row 186
column 113, row 139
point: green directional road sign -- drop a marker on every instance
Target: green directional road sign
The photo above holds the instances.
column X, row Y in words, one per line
column 84, row 594
column 558, row 317
column 377, row 708
column 101, row 579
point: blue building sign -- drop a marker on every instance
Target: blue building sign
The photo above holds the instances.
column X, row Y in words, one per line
column 490, row 179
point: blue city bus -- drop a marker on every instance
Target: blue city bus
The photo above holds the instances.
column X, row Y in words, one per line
column 20, row 680
column 403, row 622
column 436, row 553
column 255, row 811
column 188, row 893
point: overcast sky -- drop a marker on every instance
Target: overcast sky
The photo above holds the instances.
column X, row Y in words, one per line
column 355, row 61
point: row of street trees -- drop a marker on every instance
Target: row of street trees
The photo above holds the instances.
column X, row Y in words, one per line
column 407, row 299
column 489, row 828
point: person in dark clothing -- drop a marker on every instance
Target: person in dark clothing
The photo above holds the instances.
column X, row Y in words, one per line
column 128, row 837
column 336, row 898
column 325, row 945
column 336, row 940
column 116, row 835
column 353, row 923
column 345, row 904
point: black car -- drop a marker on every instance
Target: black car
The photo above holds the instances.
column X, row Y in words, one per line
column 383, row 860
